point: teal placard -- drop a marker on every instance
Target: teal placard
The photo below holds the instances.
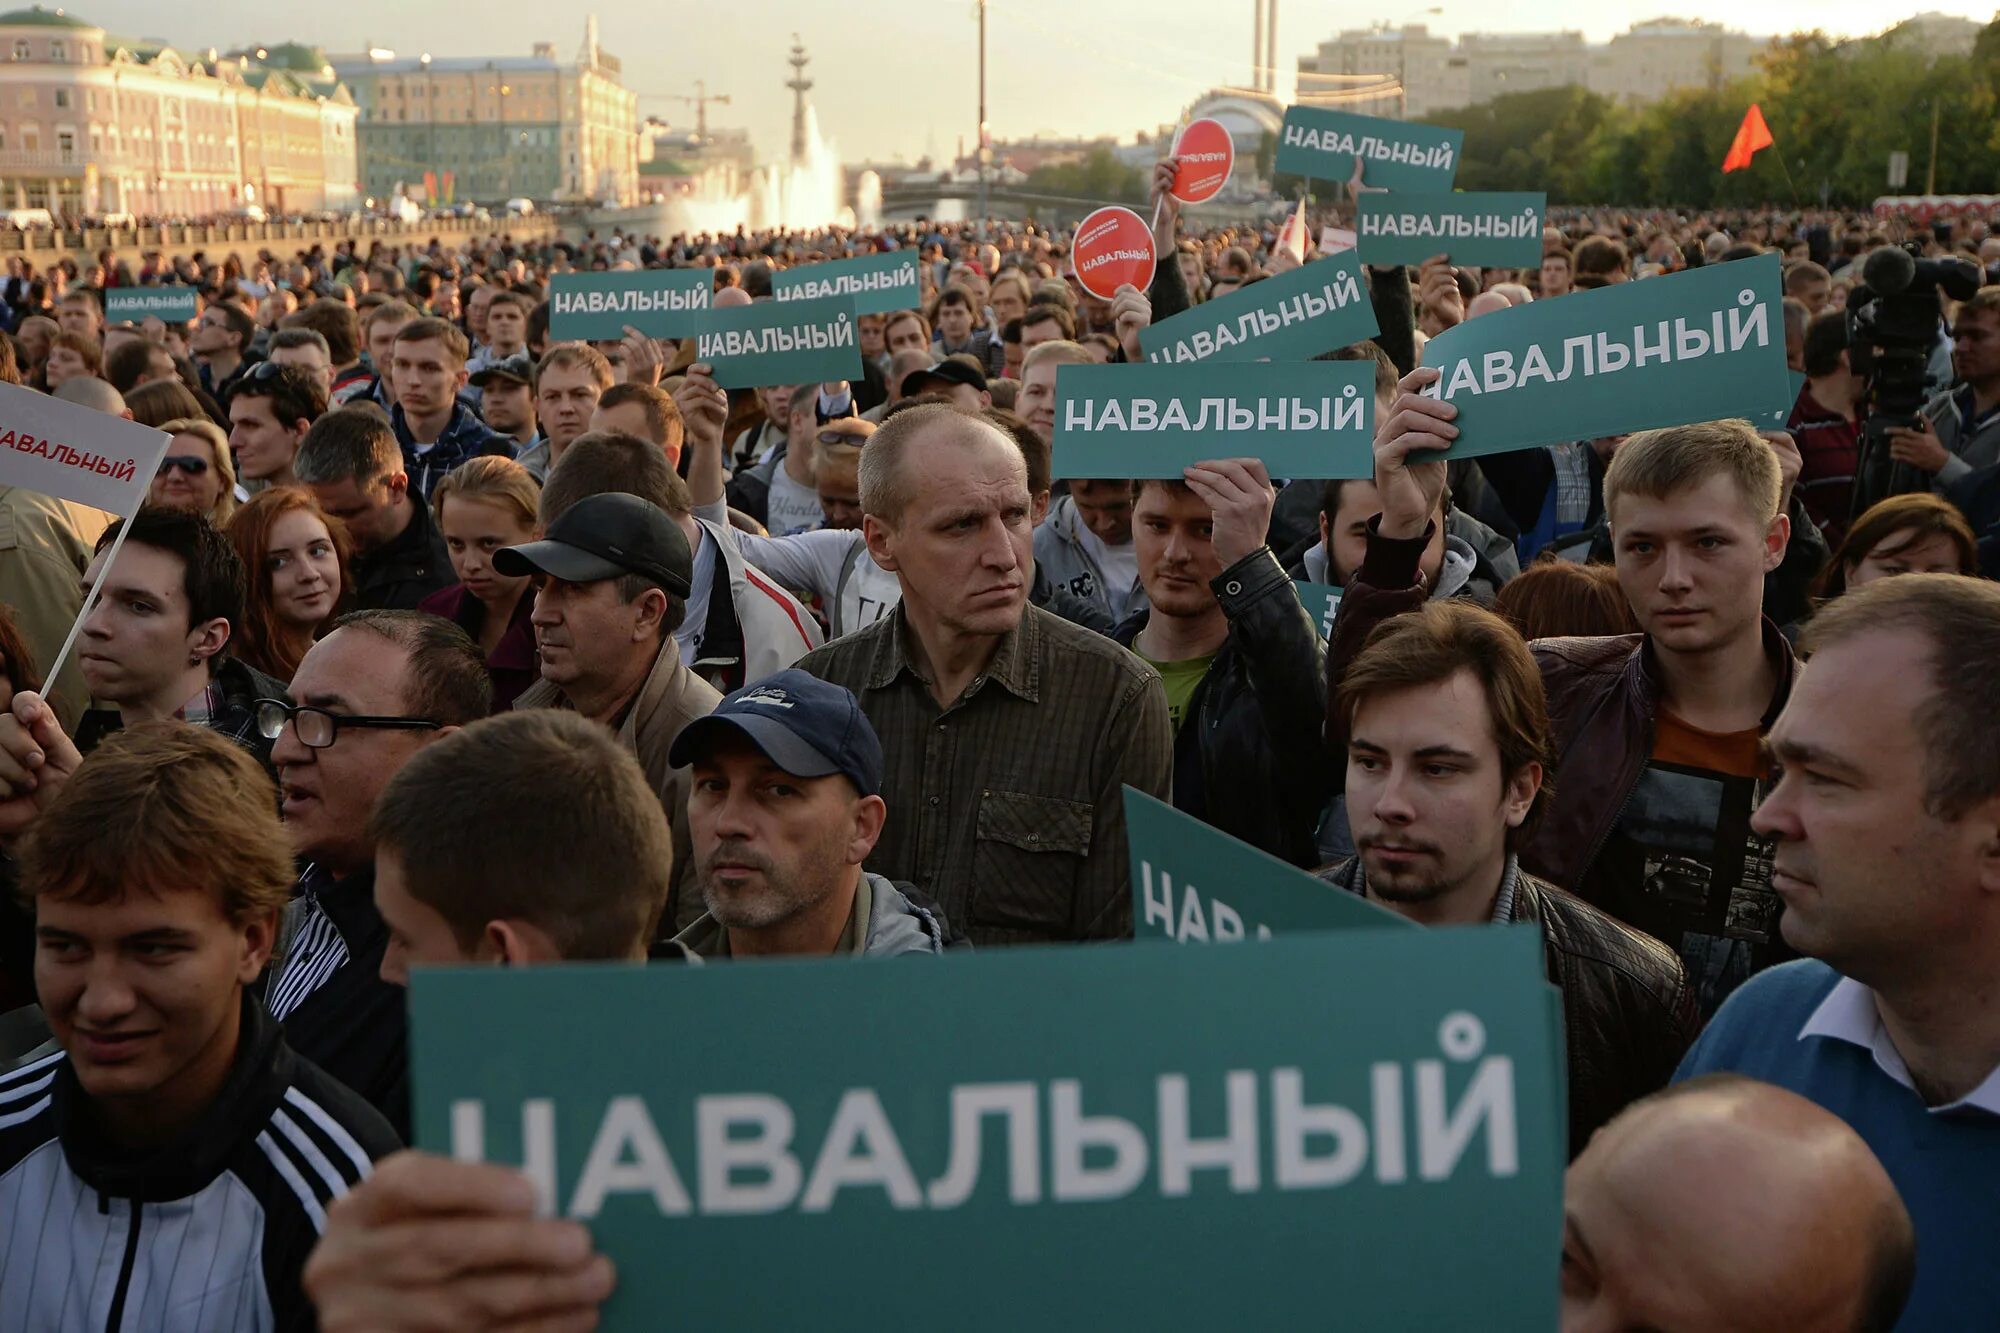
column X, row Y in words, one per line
column 1195, row 884
column 855, row 1145
column 1322, row 603
column 659, row 302
column 1536, row 374
column 133, row 305
column 1293, row 317
column 1394, row 154
column 1501, row 230
column 788, row 342
column 1304, row 419
column 876, row 283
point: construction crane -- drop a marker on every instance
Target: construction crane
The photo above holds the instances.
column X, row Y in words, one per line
column 701, row 99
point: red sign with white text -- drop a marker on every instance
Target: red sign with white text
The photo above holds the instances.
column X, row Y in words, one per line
column 1113, row 246
column 1207, row 154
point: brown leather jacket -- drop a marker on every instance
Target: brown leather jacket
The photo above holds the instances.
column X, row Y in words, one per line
column 1628, row 1014
column 1603, row 694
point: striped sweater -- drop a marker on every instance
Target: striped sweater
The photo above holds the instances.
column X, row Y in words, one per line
column 208, row 1232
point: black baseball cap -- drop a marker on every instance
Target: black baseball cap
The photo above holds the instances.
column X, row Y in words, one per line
column 809, row 727
column 519, row 367
column 942, row 376
column 603, row 536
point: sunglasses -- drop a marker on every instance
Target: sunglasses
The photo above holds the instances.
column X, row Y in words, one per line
column 194, row 465
column 842, row 437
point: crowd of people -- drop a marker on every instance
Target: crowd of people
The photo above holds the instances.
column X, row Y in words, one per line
column 441, row 642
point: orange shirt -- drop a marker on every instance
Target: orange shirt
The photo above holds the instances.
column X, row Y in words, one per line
column 1738, row 754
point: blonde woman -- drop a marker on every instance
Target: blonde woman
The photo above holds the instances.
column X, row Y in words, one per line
column 197, row 472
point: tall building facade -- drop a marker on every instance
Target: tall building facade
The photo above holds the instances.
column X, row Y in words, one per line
column 1416, row 72
column 502, row 127
column 93, row 125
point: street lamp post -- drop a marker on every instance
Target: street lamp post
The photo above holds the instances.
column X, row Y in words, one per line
column 985, row 153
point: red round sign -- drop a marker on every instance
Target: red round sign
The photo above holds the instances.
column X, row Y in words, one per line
column 1206, row 153
column 1113, row 246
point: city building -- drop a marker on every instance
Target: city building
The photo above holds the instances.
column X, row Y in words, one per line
column 1411, row 71
column 97, row 126
column 1652, row 59
column 492, row 128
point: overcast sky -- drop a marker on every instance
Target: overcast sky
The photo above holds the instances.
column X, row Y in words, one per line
column 902, row 78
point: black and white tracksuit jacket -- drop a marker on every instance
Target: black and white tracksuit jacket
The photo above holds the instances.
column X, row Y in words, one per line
column 207, row 1233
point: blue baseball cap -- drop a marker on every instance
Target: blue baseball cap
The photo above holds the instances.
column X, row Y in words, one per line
column 807, row 726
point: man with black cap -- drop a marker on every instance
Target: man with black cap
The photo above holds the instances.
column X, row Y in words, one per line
column 616, row 577
column 957, row 378
column 507, row 400
column 785, row 807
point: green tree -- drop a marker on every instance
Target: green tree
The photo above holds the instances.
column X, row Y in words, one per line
column 1099, row 176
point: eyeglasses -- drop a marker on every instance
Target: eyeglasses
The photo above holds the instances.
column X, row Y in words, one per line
column 316, row 728
column 855, row 438
column 192, row 464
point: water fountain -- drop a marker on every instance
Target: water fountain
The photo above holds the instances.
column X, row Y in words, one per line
column 801, row 193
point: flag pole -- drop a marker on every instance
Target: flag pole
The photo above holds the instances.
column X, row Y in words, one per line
column 1790, row 184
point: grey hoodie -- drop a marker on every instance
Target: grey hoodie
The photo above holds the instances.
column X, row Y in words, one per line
column 895, row 925
column 1453, row 576
column 1060, row 553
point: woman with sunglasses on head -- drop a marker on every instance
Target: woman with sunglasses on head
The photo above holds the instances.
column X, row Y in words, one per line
column 482, row 505
column 197, row 472
column 297, row 558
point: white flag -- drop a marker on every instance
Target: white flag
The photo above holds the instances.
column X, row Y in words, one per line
column 1293, row 237
column 77, row 453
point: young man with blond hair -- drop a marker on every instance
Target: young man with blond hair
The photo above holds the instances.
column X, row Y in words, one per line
column 170, row 1167
column 1658, row 734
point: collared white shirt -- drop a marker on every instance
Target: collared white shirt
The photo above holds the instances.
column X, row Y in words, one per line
column 1848, row 1014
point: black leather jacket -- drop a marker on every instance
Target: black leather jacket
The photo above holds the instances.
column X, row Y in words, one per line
column 1247, row 757
column 1628, row 1013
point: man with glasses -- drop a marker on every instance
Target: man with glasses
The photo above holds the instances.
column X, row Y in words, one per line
column 371, row 694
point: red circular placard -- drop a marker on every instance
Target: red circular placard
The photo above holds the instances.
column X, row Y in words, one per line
column 1207, row 154
column 1113, row 246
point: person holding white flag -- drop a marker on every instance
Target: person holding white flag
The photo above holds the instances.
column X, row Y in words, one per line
column 66, row 472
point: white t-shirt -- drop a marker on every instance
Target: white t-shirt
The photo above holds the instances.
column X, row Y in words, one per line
column 1120, row 565
column 688, row 636
column 791, row 508
column 831, row 564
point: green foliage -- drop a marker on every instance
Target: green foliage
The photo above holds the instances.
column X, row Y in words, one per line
column 1836, row 110
column 1100, row 175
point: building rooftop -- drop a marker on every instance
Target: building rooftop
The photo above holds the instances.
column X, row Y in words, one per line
column 34, row 16
column 351, row 68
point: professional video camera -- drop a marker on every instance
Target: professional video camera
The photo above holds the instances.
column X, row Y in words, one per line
column 1892, row 330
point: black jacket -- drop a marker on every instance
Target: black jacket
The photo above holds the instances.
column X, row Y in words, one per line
column 1247, row 757
column 325, row 986
column 413, row 565
column 208, row 1232
column 1628, row 1015
column 242, row 686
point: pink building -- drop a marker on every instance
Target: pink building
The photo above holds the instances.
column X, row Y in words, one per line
column 93, row 126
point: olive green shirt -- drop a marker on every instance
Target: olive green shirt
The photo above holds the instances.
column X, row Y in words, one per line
column 1007, row 806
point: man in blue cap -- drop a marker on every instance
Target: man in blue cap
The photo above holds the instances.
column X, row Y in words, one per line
column 784, row 808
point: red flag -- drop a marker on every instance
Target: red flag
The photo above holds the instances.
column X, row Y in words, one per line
column 1751, row 135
